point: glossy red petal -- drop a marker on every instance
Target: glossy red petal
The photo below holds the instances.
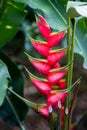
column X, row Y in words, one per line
column 55, row 38
column 57, row 65
column 42, row 86
column 54, row 57
column 41, row 66
column 54, row 98
column 43, row 27
column 62, row 103
column 41, row 47
column 54, row 77
column 44, row 111
column 62, row 84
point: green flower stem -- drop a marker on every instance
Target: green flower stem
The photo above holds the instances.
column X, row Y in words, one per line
column 68, row 49
column 65, row 127
column 51, row 120
column 71, row 69
column 70, row 57
column 59, row 119
column 72, row 50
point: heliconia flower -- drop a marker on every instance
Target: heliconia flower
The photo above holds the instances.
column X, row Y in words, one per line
column 62, row 103
column 44, row 111
column 54, row 84
column 41, row 47
column 53, row 98
column 41, row 84
column 62, row 84
column 55, row 56
column 55, row 38
column 57, row 65
column 40, row 64
column 55, row 77
column 43, row 26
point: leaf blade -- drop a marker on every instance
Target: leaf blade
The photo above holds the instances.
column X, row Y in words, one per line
column 50, row 12
column 4, row 74
column 11, row 16
column 76, row 9
column 81, row 41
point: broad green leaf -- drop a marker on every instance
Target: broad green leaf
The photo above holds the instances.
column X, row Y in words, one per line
column 54, row 17
column 83, row 0
column 75, row 9
column 80, row 45
column 81, row 40
column 17, row 84
column 11, row 16
column 4, row 75
column 1, row 3
column 61, row 7
column 63, row 2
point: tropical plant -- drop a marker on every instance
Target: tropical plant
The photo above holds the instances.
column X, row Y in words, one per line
column 58, row 21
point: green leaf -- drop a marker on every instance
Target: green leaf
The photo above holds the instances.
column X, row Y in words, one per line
column 75, row 9
column 54, row 16
column 81, row 40
column 4, row 75
column 63, row 2
column 11, row 16
column 17, row 84
column 51, row 10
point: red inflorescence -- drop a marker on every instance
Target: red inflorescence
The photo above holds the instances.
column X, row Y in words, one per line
column 49, row 66
column 43, row 27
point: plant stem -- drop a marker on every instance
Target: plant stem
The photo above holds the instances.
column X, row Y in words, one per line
column 71, row 67
column 70, row 58
column 72, row 50
column 73, row 103
column 65, row 127
column 59, row 120
column 51, row 121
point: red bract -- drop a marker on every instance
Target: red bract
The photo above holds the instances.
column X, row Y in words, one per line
column 55, row 38
column 62, row 84
column 41, row 47
column 43, row 27
column 57, row 65
column 44, row 111
column 55, row 97
column 54, row 57
column 42, row 65
column 54, row 77
column 50, row 67
column 43, row 86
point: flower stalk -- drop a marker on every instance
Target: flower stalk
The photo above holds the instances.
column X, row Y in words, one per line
column 59, row 117
column 70, row 58
column 51, row 120
column 68, row 81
